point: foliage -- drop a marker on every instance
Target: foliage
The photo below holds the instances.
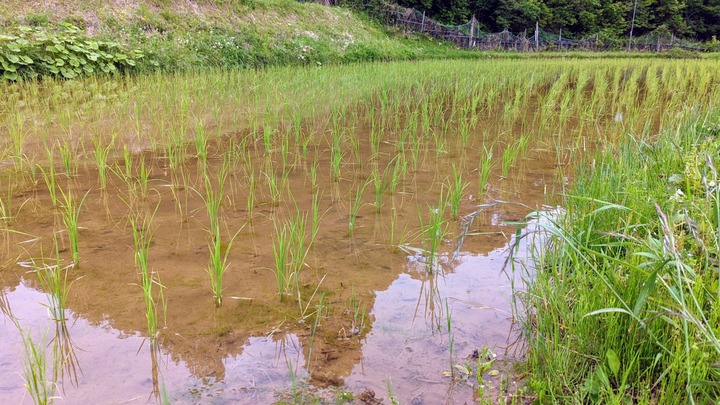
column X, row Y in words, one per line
column 698, row 19
column 30, row 52
column 624, row 308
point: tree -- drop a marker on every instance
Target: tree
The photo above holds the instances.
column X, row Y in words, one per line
column 702, row 18
column 517, row 15
column 610, row 18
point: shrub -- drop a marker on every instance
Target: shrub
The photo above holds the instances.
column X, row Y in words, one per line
column 65, row 52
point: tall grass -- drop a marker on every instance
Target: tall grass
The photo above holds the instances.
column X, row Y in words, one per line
column 624, row 302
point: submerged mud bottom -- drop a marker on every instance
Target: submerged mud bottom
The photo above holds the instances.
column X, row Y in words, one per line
column 289, row 235
column 406, row 353
column 368, row 310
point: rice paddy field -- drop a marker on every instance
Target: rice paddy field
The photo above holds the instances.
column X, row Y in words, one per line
column 349, row 233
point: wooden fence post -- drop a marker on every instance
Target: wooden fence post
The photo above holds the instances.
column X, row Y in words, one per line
column 422, row 25
column 537, row 37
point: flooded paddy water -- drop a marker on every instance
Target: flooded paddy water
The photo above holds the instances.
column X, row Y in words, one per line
column 295, row 235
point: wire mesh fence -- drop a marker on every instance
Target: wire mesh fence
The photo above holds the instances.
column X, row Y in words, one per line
column 469, row 35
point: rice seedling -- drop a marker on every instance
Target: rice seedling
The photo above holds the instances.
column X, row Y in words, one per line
column 464, row 128
column 305, row 146
column 18, row 135
column 251, row 195
column 433, row 232
column 281, row 251
column 101, row 158
column 68, row 158
column 315, row 218
column 275, row 186
column 285, row 150
column 313, row 175
column 486, row 165
column 142, row 230
column 510, row 155
column 128, row 162
column 6, row 207
column 372, row 122
column 296, row 231
column 201, row 144
column 143, row 179
column 355, row 205
column 398, row 172
column 296, row 118
column 268, row 133
column 358, row 311
column 70, row 212
column 375, row 139
column 378, row 181
column 440, row 142
column 319, row 309
column 336, row 157
column 219, row 264
column 54, row 277
column 415, row 148
column 49, row 176
column 456, row 189
column 176, row 155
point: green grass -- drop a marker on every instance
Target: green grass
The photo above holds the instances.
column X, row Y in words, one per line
column 624, row 304
column 219, row 34
column 259, row 33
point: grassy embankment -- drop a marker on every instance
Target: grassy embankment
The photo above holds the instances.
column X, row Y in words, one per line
column 184, row 35
column 232, row 33
column 624, row 306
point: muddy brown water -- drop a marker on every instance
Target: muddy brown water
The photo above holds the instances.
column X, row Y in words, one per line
column 383, row 324
column 368, row 317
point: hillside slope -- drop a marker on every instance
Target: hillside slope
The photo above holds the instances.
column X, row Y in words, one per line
column 188, row 34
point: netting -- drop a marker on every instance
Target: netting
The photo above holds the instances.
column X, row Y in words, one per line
column 469, row 35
